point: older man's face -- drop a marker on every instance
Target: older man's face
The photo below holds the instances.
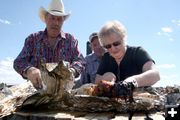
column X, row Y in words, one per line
column 96, row 47
column 54, row 25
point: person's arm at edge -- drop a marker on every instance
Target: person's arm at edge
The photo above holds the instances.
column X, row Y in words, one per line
column 149, row 76
column 20, row 64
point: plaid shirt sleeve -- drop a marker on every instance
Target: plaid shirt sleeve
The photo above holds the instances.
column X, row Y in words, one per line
column 21, row 62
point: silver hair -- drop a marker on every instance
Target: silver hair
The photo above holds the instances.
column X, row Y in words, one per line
column 113, row 27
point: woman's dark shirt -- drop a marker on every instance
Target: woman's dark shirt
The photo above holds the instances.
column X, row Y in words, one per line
column 131, row 64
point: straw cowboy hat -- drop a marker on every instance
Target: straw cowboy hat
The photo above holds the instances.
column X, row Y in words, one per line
column 56, row 8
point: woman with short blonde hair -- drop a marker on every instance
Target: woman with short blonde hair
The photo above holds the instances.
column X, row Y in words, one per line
column 130, row 64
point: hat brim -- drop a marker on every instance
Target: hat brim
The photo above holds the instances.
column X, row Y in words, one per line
column 42, row 13
column 92, row 36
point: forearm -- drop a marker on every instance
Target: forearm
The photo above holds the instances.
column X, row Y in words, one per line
column 78, row 64
column 147, row 78
column 20, row 65
column 27, row 71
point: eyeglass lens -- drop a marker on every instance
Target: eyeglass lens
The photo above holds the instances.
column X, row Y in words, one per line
column 114, row 44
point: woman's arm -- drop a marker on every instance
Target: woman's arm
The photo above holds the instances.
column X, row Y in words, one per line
column 149, row 76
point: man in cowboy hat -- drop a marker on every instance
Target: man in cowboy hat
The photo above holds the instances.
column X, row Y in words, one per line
column 50, row 45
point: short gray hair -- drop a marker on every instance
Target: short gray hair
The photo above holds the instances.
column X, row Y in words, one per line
column 113, row 27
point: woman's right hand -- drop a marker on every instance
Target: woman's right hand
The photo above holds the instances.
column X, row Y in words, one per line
column 108, row 76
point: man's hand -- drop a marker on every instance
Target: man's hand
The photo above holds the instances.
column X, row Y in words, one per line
column 34, row 75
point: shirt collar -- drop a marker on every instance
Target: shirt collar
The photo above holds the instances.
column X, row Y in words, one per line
column 94, row 57
column 61, row 34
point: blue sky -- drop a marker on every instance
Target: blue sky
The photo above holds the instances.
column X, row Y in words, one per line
column 152, row 24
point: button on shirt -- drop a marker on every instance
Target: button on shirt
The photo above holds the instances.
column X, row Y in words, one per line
column 89, row 74
column 37, row 49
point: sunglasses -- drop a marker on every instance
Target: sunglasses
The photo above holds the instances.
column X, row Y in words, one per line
column 115, row 44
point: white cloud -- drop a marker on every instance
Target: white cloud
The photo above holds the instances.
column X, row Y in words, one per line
column 168, row 80
column 8, row 74
column 166, row 66
column 159, row 33
column 168, row 77
column 170, row 31
column 171, row 39
column 167, row 32
column 176, row 22
column 5, row 21
column 167, row 29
